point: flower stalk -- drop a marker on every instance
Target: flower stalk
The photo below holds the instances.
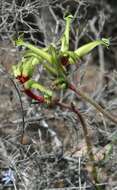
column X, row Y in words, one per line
column 86, row 98
column 87, row 137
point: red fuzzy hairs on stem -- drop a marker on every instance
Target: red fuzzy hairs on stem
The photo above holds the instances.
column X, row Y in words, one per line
column 40, row 99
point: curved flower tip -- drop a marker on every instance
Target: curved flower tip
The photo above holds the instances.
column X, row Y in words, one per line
column 19, row 41
column 68, row 17
column 106, row 42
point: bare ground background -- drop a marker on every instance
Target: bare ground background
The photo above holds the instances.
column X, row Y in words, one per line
column 53, row 154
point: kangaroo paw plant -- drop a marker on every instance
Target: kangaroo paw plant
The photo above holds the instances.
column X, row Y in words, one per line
column 55, row 61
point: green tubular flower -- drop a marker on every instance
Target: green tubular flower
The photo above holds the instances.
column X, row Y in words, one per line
column 73, row 57
column 40, row 52
column 35, row 61
column 17, row 69
column 30, row 54
column 51, row 70
column 85, row 49
column 65, row 37
column 60, row 72
column 54, row 58
column 25, row 67
column 28, row 66
column 54, row 55
column 31, row 84
column 60, row 83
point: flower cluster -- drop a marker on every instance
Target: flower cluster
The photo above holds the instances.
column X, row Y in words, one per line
column 54, row 61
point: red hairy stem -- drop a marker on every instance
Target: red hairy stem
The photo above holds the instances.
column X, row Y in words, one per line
column 40, row 99
column 22, row 79
column 28, row 92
